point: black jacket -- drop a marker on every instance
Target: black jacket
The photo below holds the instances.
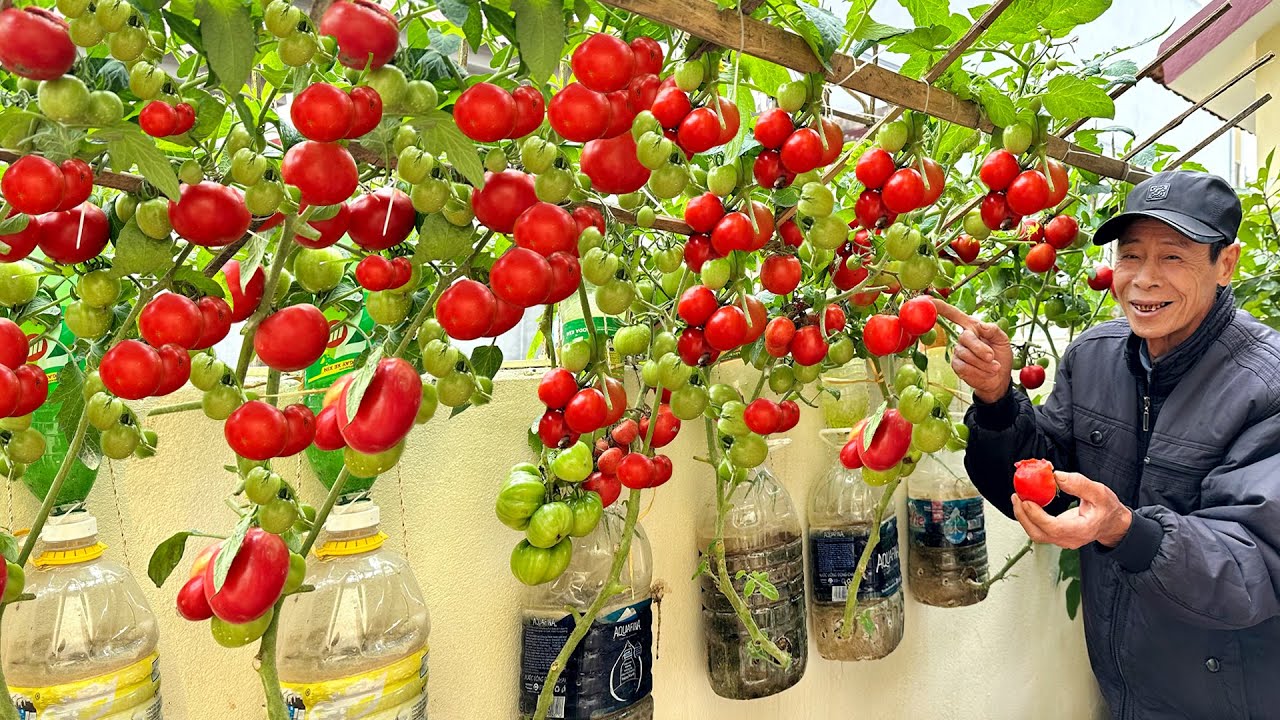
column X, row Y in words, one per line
column 1182, row 618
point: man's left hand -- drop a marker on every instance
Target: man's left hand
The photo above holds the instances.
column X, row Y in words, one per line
column 1100, row 516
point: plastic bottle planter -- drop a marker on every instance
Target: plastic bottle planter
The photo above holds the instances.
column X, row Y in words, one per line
column 948, row 536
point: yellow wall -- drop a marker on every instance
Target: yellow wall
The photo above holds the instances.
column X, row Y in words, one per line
column 1267, row 80
column 1013, row 655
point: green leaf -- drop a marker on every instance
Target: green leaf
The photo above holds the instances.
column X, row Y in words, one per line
column 166, row 557
column 129, row 146
column 138, row 254
column 1121, row 68
column 926, row 12
column 997, row 105
column 456, row 11
column 768, row 76
column 540, row 36
column 925, row 40
column 746, row 108
column 256, row 247
column 499, row 20
column 767, row 588
column 704, row 568
column 9, row 547
column 486, row 360
column 823, row 32
column 1073, row 598
column 188, row 31
column 862, row 27
column 473, row 28
column 441, row 135
column 13, row 118
column 106, row 74
column 69, row 394
column 196, row 279
column 749, row 587
column 873, row 424
column 227, row 554
column 360, row 383
column 227, row 31
column 1070, row 98
column 1022, row 20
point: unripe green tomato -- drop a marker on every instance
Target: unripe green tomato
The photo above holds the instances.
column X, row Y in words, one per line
column 190, row 172
column 153, row 218
column 632, row 340
column 653, row 150
column 689, row 402
column 723, row 394
column 668, row 181
column 19, row 283
column 105, row 108
column 841, row 350
column 645, row 122
column 86, row 321
column 25, row 446
column 599, row 266
column 264, row 198
column 792, row 95
column 388, row 308
column 575, row 355
column 298, row 49
column 17, row 581
column 645, row 217
column 974, row 226
column 440, row 358
column 146, row 80
column 582, row 181
column 664, row 343
column 828, row 233
column 390, row 83
column 495, row 160
column 297, row 573
column 65, row 99
column 614, row 297
column 247, row 166
column 715, row 273
column 430, row 401
column 748, row 451
column 458, row 212
column 894, row 136
column 806, row 374
column 816, row 200
column 220, row 401
column 72, row 9
column 689, row 75
column 92, row 385
column 119, row 442
column 537, row 155
column 113, row 14
column 668, row 259
column 1017, row 138
column 781, row 378
column 261, row 485
column 420, row 97
column 430, row 195
column 723, row 180
column 651, row 373
column 430, row 330
column 99, row 288
column 281, row 18
column 484, row 391
column 405, row 137
column 589, row 239
column 85, row 31
column 126, row 205
column 456, row 389
column 128, row 44
column 554, row 185
column 630, row 201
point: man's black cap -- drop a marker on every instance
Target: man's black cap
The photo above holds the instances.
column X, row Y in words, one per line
column 1201, row 206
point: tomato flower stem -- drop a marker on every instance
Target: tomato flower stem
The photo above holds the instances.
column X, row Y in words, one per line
column 267, row 668
column 1026, row 548
column 851, row 603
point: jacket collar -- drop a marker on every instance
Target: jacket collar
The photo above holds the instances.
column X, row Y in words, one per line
column 1169, row 369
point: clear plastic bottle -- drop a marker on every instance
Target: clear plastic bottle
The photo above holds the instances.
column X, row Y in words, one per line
column 610, row 674
column 762, row 533
column 842, row 510
column 851, row 394
column 86, row 646
column 356, row 646
column 948, row 537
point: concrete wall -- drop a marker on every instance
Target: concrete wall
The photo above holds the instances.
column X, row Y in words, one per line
column 1013, row 655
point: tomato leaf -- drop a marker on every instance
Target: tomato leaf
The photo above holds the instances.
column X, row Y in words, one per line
column 1073, row 598
column 196, row 279
column 926, row 12
column 256, row 246
column 870, row 431
column 1071, row 98
column 13, row 118
column 227, row 554
column 185, row 29
column 539, row 35
column 996, row 104
column 440, row 134
column 128, row 146
column 456, row 11
column 499, row 20
column 486, row 360
column 9, row 547
column 823, row 32
column 360, row 383
column 767, row 76
column 166, row 556
column 224, row 25
column 138, row 254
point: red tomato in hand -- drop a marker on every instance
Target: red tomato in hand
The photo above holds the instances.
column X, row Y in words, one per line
column 1033, row 480
column 387, row 409
column 918, row 315
column 256, row 430
column 1031, row 376
column 255, row 580
column 292, row 338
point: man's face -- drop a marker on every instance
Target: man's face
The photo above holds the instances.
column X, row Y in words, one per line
column 1166, row 283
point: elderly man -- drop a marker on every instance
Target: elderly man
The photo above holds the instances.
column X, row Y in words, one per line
column 1165, row 426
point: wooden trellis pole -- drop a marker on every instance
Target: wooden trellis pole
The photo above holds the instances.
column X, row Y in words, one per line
column 1253, row 107
column 733, row 30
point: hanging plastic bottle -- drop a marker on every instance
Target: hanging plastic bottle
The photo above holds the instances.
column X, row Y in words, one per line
column 85, row 648
column 348, row 339
column 948, row 535
column 762, row 534
column 356, row 646
column 574, row 327
column 842, row 511
column 850, row 394
column 610, row 674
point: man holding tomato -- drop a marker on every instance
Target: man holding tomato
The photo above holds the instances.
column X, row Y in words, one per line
column 1165, row 425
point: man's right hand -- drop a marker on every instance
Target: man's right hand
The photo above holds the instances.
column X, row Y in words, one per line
column 983, row 357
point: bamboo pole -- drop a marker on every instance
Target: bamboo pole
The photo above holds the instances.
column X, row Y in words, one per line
column 1252, row 108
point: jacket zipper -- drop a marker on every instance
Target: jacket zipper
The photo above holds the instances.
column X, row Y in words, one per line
column 1146, row 413
column 1145, row 441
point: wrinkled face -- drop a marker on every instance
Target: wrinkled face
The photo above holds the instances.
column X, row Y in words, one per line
column 1166, row 283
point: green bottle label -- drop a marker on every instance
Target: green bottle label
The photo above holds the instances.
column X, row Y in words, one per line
column 51, row 355
column 346, row 342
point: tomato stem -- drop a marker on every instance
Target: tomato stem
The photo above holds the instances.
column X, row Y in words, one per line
column 1027, row 547
column 268, row 301
column 267, row 669
column 851, row 603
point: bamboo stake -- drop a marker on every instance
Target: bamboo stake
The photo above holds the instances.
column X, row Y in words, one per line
column 1253, row 107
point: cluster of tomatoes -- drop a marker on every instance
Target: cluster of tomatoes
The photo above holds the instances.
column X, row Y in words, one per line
column 789, row 151
column 377, row 273
column 886, row 334
column 23, row 386
column 806, row 342
column 60, row 221
column 325, row 113
column 1047, row 238
column 714, row 328
column 574, row 410
column 1017, row 190
column 550, row 511
column 160, row 118
column 895, row 187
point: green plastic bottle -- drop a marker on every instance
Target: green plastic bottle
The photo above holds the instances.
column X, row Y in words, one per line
column 52, row 357
column 346, row 343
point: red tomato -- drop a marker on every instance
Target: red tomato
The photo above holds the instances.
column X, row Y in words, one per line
column 732, row 232
column 665, row 431
column 35, row 43
column 790, row 415
column 566, row 273
column 608, row 487
column 213, row 215
column 1056, row 174
column 726, row 328
column 903, row 191
column 554, row 432
column 1033, row 480
column 485, row 112
column 696, row 305
column 387, row 409
column 76, row 235
column 694, row 348
column 603, row 63
column 617, row 397
column 158, row 119
column 375, row 273
column 966, row 249
column 636, row 471
column 521, row 277
column 762, row 416
column 790, row 233
column 586, row 412
column 874, row 168
column 732, row 121
column 10, row 392
column 764, row 226
column 641, row 92
column 243, row 301
column 670, row 107
column 704, row 212
column 557, row 388
column 1061, row 231
column 367, row 35
column 33, row 389
column 331, row 230
column 22, row 242
column 999, row 169
column 292, row 338
column 918, row 315
column 186, row 118
column 191, row 601
column 466, row 309
column 328, row 436
column 302, row 429
column 835, row 142
column 1099, row 279
column 620, row 115
column 995, row 211
column 578, row 113
column 402, row 271
column 586, row 216
column 545, row 229
column 612, row 165
column 256, row 430
column 131, row 370
column 849, row 456
column 1041, row 258
column 324, row 172
column 780, row 274
column 936, row 179
column 256, row 577
column 77, row 178
column 1028, row 193
column 367, row 104
column 890, row 443
column 834, row 318
column 381, row 219
column 802, row 151
column 176, row 364
column 769, row 172
column 882, row 334
column 778, row 335
column 1031, row 376
column 697, row 251
column 871, row 211
column 13, row 344
column 171, row 318
column 504, row 197
column 773, row 127
column 531, row 108
column 323, row 113
column 648, row 55
column 699, row 131
column 32, row 184
column 808, row 347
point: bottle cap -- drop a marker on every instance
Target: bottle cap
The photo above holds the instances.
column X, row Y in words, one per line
column 359, row 515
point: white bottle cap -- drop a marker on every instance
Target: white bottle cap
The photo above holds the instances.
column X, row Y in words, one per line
column 70, row 527
column 359, row 515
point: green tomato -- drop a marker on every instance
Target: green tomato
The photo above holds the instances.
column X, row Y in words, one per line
column 668, row 259
column 589, row 238
column 645, row 217
column 414, row 165
column 65, row 99
column 632, row 340
column 1017, row 138
column 495, row 160
column 793, row 95
column 554, row 185
column 521, row 495
column 959, row 437
column 587, row 509
column 668, row 181
column 841, row 350
column 21, row 422
column 599, row 266
column 282, row 19
column 782, row 378
column 206, row 371
column 645, row 122
column 894, row 136
column 146, row 80
column 723, row 394
column 430, row 401
column 119, row 442
column 723, row 180
column 748, row 450
column 816, row 200
column 674, row 373
column 319, row 270
column 915, row 404
column 689, row 75
column 105, row 108
column 390, row 83
column 220, row 401
column 386, row 307
column 615, row 297
column 16, row 583
column 651, row 373
column 247, row 166
column 431, row 330
column 664, row 343
column 85, row 31
column 535, row 566
column 455, row 389
column 430, row 195
column 806, row 374
column 238, row 138
column 932, row 434
column 72, row 9
column 264, row 198
column 26, row 446
column 909, row 376
column 537, row 155
column 715, row 273
column 876, row 478
column 19, row 282
column 190, row 172
column 575, row 355
column 277, row 516
column 128, row 44
column 653, row 150
column 458, row 212
column 297, row 573
column 92, row 385
column 153, row 218
column 828, row 233
column 87, row 321
column 113, row 14
column 233, row 636
column 298, row 49
column 368, row 466
column 262, row 486
column 918, row 272
column 420, row 97
column 689, row 402
column 574, row 464
column 99, row 288
column 549, row 524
